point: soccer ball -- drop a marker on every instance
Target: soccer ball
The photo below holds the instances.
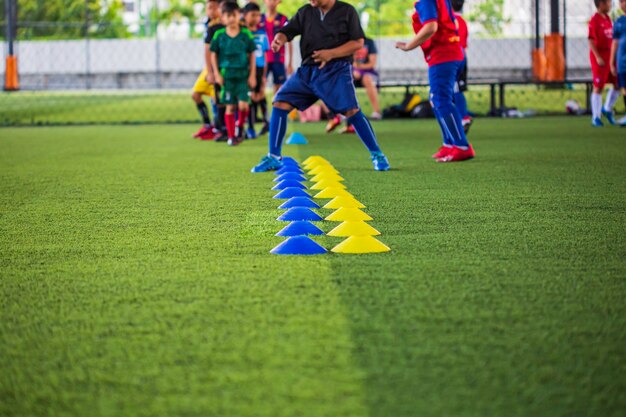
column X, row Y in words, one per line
column 572, row 107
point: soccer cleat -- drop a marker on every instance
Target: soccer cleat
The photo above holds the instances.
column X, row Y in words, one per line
column 250, row 133
column 204, row 131
column 609, row 116
column 234, row 141
column 457, row 154
column 622, row 122
column 348, row 129
column 220, row 136
column 467, row 123
column 264, row 129
column 332, row 124
column 268, row 163
column 596, row 122
column 380, row 161
column 443, row 151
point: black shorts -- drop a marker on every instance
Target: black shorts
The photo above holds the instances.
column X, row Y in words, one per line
column 259, row 79
column 461, row 78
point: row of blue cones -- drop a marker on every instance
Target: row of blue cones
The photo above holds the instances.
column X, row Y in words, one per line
column 299, row 212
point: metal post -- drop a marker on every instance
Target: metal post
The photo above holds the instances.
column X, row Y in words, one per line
column 537, row 24
column 554, row 16
column 87, row 47
column 11, row 81
column 565, row 34
column 157, row 45
column 10, row 32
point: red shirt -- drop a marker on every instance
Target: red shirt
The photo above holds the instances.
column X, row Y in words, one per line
column 601, row 32
column 444, row 45
column 271, row 27
column 462, row 29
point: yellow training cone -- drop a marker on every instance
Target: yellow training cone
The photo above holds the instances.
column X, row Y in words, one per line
column 327, row 176
column 323, row 168
column 331, row 192
column 348, row 214
column 311, row 166
column 361, row 244
column 343, row 201
column 314, row 158
column 327, row 184
column 353, row 229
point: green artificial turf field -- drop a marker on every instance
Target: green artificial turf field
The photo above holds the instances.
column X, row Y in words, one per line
column 136, row 279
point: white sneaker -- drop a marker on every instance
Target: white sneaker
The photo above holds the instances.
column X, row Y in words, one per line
column 622, row 122
column 376, row 116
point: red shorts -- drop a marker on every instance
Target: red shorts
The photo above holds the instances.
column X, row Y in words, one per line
column 602, row 74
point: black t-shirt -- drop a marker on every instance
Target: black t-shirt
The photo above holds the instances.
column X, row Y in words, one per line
column 340, row 25
column 211, row 28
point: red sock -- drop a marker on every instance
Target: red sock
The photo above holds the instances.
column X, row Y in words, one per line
column 243, row 116
column 229, row 119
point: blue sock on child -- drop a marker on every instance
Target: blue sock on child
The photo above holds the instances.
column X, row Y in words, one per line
column 364, row 129
column 461, row 103
column 450, row 120
column 278, row 127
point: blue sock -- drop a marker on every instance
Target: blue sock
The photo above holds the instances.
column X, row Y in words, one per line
column 364, row 129
column 450, row 121
column 447, row 139
column 278, row 127
column 461, row 103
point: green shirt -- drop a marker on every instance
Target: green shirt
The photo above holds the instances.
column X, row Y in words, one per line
column 233, row 53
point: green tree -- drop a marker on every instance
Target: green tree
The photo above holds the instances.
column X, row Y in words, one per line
column 63, row 19
column 490, row 14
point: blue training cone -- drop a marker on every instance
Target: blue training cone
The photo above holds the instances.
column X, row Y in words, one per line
column 289, row 168
column 290, row 176
column 299, row 245
column 296, row 138
column 300, row 228
column 289, row 192
column 287, row 160
column 289, row 183
column 299, row 202
column 300, row 213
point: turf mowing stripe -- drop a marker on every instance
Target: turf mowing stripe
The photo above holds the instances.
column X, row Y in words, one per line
column 136, row 281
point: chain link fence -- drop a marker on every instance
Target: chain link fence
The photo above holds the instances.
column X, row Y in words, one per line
column 85, row 72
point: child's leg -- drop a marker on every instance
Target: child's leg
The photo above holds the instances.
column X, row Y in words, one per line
column 252, row 113
column 372, row 93
column 229, row 119
column 202, row 108
column 442, row 78
column 447, row 139
column 243, row 114
column 596, row 102
column 611, row 98
column 363, row 129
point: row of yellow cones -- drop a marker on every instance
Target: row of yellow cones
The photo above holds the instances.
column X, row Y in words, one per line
column 354, row 226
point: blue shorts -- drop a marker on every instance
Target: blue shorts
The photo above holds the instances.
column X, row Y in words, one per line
column 332, row 84
column 621, row 79
column 277, row 70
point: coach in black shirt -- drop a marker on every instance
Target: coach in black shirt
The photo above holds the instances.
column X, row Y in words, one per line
column 331, row 34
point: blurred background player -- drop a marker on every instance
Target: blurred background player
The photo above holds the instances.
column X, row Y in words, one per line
column 234, row 68
column 618, row 54
column 600, row 39
column 436, row 33
column 272, row 22
column 365, row 75
column 252, row 18
column 330, row 34
column 202, row 86
column 461, row 82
